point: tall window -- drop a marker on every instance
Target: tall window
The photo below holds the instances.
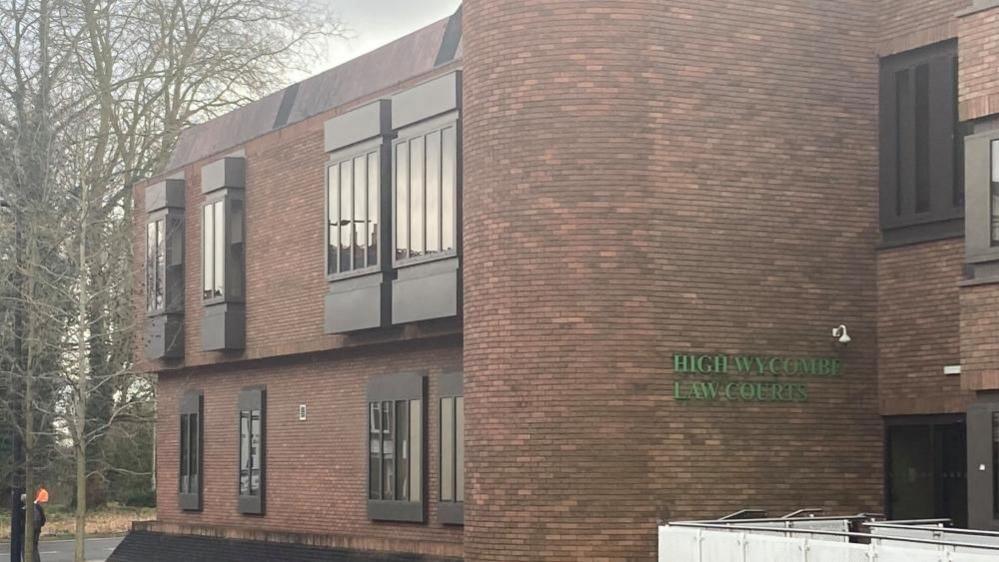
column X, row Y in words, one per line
column 453, row 449
column 450, row 509
column 995, row 465
column 155, row 264
column 921, row 145
column 251, row 451
column 250, row 439
column 213, row 249
column 426, row 194
column 190, row 454
column 352, row 213
column 994, row 190
column 395, row 448
column 190, row 439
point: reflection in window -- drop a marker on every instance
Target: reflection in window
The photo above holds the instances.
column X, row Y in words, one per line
column 995, row 465
column 395, row 450
column 426, row 185
column 452, row 449
column 352, row 213
column 155, row 265
column 994, row 190
column 250, row 453
column 213, row 249
column 190, row 453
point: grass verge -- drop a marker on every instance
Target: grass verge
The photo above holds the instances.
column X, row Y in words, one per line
column 104, row 521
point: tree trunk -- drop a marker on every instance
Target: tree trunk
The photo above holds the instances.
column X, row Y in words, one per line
column 82, row 375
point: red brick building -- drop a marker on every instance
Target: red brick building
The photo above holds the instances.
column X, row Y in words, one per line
column 527, row 282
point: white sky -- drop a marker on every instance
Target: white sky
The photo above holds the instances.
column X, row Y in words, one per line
column 373, row 23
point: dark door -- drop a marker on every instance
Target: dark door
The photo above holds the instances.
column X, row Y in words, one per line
column 927, row 468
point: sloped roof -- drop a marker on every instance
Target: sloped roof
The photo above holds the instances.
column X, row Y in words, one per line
column 417, row 53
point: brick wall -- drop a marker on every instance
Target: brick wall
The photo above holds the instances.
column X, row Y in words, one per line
column 979, row 345
column 643, row 178
column 919, row 328
column 979, row 61
column 315, row 470
column 285, row 267
column 908, row 24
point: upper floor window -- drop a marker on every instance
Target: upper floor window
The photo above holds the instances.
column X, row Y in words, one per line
column 353, row 203
column 426, row 187
column 981, row 240
column 921, row 147
column 213, row 249
column 222, row 247
column 155, row 264
column 994, row 190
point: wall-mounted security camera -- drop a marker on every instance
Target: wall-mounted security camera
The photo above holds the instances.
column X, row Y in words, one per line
column 840, row 334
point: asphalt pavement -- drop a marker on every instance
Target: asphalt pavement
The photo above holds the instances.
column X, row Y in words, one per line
column 98, row 550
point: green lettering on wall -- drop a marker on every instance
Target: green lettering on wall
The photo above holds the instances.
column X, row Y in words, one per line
column 719, row 367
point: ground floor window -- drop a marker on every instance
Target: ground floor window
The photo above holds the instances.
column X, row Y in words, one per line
column 452, row 449
column 995, row 465
column 251, row 450
column 395, row 447
column 395, row 450
column 190, row 440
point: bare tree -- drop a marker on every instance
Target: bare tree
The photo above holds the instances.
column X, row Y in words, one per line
column 93, row 95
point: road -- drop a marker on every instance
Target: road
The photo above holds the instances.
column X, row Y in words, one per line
column 98, row 550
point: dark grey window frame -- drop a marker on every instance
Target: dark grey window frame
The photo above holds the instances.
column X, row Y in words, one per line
column 983, row 450
column 156, row 263
column 981, row 252
column 450, row 511
column 360, row 299
column 933, row 167
column 234, row 260
column 405, row 135
column 189, row 496
column 164, row 329
column 393, row 388
column 381, row 148
column 252, row 399
column 223, row 323
column 427, row 287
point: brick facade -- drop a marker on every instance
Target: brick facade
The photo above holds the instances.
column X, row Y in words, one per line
column 316, row 469
column 285, row 172
column 919, row 329
column 979, row 58
column 641, row 178
column 909, row 24
column 650, row 202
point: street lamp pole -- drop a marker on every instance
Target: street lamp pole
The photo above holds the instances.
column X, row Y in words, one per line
column 17, row 476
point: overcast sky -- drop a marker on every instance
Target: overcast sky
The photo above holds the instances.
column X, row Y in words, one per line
column 373, row 23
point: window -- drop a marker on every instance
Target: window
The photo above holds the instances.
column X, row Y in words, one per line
column 190, row 451
column 251, row 451
column 213, row 249
column 995, row 465
column 163, row 333
column 426, row 194
column 352, row 213
column 395, row 448
column 452, row 450
column 155, row 265
column 922, row 148
column 994, row 190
